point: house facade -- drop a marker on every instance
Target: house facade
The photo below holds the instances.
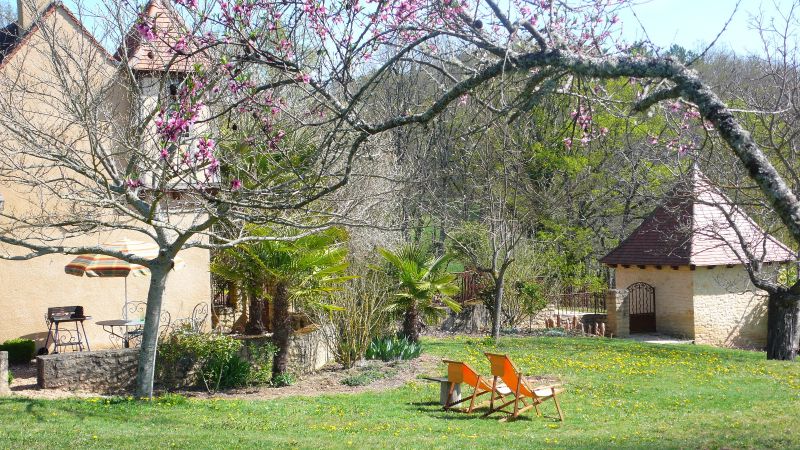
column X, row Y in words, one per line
column 684, row 269
column 46, row 41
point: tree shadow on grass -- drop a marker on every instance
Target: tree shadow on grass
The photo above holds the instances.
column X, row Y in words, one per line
column 35, row 408
column 39, row 409
column 434, row 410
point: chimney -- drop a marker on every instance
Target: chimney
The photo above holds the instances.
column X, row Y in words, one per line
column 28, row 11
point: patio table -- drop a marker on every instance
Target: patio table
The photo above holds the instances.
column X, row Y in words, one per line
column 444, row 389
column 124, row 329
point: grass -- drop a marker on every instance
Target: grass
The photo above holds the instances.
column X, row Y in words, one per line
column 619, row 393
column 363, row 376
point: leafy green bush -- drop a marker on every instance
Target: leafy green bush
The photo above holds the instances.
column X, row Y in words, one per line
column 211, row 361
column 391, row 348
column 260, row 357
column 283, row 379
column 20, row 351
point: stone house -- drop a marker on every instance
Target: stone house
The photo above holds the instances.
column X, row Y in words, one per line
column 684, row 270
column 27, row 71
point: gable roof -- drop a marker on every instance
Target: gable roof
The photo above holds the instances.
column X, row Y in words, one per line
column 13, row 38
column 160, row 54
column 9, row 37
column 697, row 225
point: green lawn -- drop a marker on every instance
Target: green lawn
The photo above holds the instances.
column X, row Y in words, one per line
column 619, row 393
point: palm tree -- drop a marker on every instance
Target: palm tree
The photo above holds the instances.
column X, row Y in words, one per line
column 305, row 270
column 238, row 267
column 424, row 287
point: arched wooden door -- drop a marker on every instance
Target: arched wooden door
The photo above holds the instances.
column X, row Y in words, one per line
column 642, row 307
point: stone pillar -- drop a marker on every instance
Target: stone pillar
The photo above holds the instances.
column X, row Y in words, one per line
column 618, row 312
column 4, row 388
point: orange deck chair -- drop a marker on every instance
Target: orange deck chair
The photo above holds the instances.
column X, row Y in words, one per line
column 461, row 372
column 504, row 369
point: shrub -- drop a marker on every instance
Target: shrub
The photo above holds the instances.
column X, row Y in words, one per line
column 20, row 351
column 391, row 348
column 260, row 357
column 283, row 379
column 362, row 315
column 210, row 361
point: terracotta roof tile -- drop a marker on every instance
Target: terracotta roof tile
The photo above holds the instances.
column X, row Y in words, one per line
column 698, row 225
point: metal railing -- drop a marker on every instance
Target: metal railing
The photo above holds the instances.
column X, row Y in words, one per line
column 579, row 302
column 470, row 284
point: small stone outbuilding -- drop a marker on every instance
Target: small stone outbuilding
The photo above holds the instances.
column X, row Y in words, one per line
column 682, row 273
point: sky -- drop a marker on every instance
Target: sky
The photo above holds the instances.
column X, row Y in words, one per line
column 689, row 23
column 695, row 23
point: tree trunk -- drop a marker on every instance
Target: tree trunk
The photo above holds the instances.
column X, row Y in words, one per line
column 782, row 336
column 411, row 323
column 149, row 349
column 497, row 305
column 281, row 328
column 255, row 326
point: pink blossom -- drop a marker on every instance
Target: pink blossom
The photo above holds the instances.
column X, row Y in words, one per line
column 146, row 31
column 181, row 46
column 236, row 184
column 568, row 142
column 133, row 183
column 191, row 4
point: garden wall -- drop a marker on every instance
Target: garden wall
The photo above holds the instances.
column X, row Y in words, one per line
column 103, row 371
column 4, row 388
column 308, row 349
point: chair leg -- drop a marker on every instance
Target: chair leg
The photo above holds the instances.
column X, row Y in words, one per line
column 558, row 407
column 494, row 389
column 472, row 400
column 516, row 395
column 536, row 407
column 491, row 400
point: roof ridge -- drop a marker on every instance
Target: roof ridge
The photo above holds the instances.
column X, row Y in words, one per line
column 23, row 37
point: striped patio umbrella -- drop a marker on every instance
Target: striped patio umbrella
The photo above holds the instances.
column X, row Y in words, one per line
column 96, row 265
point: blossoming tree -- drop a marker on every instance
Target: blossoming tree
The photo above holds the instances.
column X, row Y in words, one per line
column 261, row 108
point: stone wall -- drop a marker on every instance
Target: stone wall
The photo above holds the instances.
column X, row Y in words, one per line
column 729, row 311
column 308, row 349
column 103, row 371
column 618, row 313
column 473, row 318
column 673, row 292
column 4, row 388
